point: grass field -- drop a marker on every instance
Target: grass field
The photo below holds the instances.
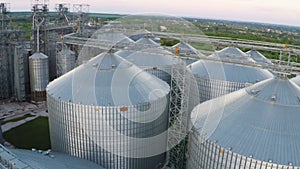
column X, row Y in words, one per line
column 34, row 134
column 17, row 119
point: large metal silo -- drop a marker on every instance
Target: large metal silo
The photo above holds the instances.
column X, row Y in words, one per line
column 217, row 78
column 147, row 41
column 66, row 61
column 259, row 58
column 189, row 54
column 94, row 114
column 253, row 128
column 156, row 61
column 39, row 76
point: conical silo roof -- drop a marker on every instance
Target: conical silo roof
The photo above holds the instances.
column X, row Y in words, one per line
column 112, row 36
column 126, row 40
column 187, row 49
column 139, row 34
column 228, row 72
column 261, row 121
column 296, row 80
column 38, row 55
column 152, row 57
column 99, row 79
column 258, row 57
column 147, row 41
column 232, row 53
column 124, row 53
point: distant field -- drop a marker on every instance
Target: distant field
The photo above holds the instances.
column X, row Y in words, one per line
column 34, row 134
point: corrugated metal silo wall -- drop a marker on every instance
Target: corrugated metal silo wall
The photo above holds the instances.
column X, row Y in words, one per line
column 69, row 135
column 6, row 68
column 211, row 88
column 204, row 154
column 39, row 74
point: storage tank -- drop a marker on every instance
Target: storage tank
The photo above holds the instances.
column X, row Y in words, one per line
column 66, row 61
column 259, row 58
column 217, row 78
column 296, row 80
column 39, row 76
column 147, row 42
column 156, row 61
column 253, row 128
column 189, row 53
column 91, row 117
column 140, row 34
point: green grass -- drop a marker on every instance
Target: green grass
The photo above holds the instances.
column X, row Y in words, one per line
column 34, row 134
column 17, row 119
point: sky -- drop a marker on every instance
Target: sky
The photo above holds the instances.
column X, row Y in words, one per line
column 285, row 12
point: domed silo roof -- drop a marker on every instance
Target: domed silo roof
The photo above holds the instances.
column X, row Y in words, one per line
column 111, row 36
column 104, row 97
column 156, row 61
column 258, row 57
column 139, row 34
column 147, row 42
column 38, row 55
column 232, row 53
column 187, row 49
column 258, row 125
column 124, row 53
column 296, row 80
column 106, row 65
column 53, row 160
column 215, row 78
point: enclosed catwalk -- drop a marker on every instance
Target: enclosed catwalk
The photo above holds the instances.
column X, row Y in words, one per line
column 259, row 58
column 253, row 128
column 66, row 61
column 25, row 159
column 156, row 61
column 102, row 109
column 217, row 78
column 39, row 76
column 296, row 80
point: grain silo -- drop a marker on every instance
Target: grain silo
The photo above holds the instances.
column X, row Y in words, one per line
column 216, row 78
column 91, row 117
column 39, row 76
column 296, row 80
column 140, row 34
column 66, row 61
column 188, row 53
column 147, row 42
column 156, row 61
column 259, row 58
column 253, row 128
